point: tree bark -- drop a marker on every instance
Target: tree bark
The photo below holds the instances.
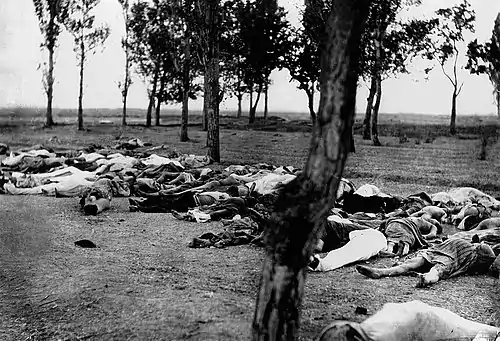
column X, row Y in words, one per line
column 454, row 96
column 186, row 84
column 80, row 95
column 376, row 108
column 49, row 121
column 206, row 101
column 251, row 100
column 266, row 98
column 253, row 108
column 377, row 77
column 369, row 109
column 212, row 77
column 310, row 104
column 301, row 209
column 159, row 96
column 152, row 95
column 127, row 67
column 240, row 98
column 498, row 101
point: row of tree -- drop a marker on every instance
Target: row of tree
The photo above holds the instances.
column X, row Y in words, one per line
column 228, row 48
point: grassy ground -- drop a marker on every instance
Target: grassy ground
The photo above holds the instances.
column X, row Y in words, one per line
column 144, row 283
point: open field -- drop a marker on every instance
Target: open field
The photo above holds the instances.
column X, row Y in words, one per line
column 144, row 283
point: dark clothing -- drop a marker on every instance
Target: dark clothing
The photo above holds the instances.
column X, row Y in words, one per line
column 375, row 204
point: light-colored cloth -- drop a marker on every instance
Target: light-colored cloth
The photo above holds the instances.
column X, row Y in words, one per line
column 157, row 160
column 270, row 182
column 412, row 321
column 464, row 195
column 368, row 190
column 69, row 182
column 362, row 245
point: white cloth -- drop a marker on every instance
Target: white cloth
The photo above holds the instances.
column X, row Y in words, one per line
column 69, row 182
column 368, row 190
column 157, row 160
column 91, row 157
column 416, row 320
column 270, row 182
column 362, row 245
column 463, row 195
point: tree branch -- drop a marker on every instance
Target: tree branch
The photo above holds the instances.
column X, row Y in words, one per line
column 460, row 88
column 445, row 73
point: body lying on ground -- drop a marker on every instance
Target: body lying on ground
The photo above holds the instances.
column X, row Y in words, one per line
column 98, row 197
column 451, row 258
column 409, row 321
column 409, row 234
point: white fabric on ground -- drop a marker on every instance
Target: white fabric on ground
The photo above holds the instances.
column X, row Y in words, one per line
column 270, row 182
column 416, row 320
column 463, row 195
column 69, row 182
column 156, row 160
column 362, row 245
column 368, row 190
column 412, row 321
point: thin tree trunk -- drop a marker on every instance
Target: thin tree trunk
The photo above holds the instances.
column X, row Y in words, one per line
column 186, row 84
column 240, row 98
column 251, row 100
column 159, row 96
column 212, row 77
column 266, row 98
column 127, row 68
column 80, row 96
column 301, row 209
column 369, row 109
column 49, row 121
column 253, row 109
column 453, row 111
column 310, row 104
column 377, row 77
column 152, row 95
column 376, row 107
column 206, row 101
column 498, row 100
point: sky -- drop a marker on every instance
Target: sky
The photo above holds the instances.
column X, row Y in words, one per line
column 20, row 81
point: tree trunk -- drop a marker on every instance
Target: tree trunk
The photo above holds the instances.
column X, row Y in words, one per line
column 310, row 104
column 498, row 101
column 49, row 121
column 159, row 96
column 152, row 95
column 301, row 209
column 266, row 98
column 127, row 71
column 453, row 130
column 251, row 100
column 376, row 108
column 253, row 109
column 240, row 98
column 80, row 95
column 206, row 101
column 212, row 77
column 369, row 109
column 186, row 84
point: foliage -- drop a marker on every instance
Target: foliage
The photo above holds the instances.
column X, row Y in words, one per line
column 50, row 14
column 80, row 22
column 485, row 58
column 264, row 36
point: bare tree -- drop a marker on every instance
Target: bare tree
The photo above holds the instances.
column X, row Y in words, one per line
column 301, row 209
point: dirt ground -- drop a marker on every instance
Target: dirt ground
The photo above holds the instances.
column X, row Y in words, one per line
column 144, row 283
